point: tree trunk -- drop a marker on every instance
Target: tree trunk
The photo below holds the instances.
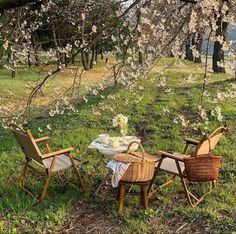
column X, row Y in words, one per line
column 14, row 65
column 187, row 53
column 56, row 45
column 87, row 57
column 92, row 58
column 36, row 50
column 13, row 73
column 115, row 76
column 191, row 57
column 96, row 52
column 199, row 48
column 101, row 52
column 73, row 58
column 218, row 53
column 171, row 54
column 64, row 55
column 73, row 55
column 9, row 55
column 36, row 55
column 65, row 60
column 1, row 58
column 84, row 58
column 140, row 58
column 29, row 59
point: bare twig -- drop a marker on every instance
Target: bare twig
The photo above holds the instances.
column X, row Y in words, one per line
column 38, row 87
column 181, row 227
column 205, row 72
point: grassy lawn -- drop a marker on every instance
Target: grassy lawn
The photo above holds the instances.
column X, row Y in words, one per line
column 17, row 90
column 143, row 104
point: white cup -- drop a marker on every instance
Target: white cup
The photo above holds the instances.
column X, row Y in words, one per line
column 103, row 137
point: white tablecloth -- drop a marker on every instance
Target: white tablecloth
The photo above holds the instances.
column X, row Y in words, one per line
column 119, row 169
column 109, row 150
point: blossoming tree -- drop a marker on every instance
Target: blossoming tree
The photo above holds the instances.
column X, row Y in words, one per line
column 138, row 33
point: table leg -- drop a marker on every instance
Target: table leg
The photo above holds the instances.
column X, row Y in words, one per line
column 121, row 196
column 144, row 197
column 102, row 183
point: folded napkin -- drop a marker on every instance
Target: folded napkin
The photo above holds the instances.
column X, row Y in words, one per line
column 119, row 169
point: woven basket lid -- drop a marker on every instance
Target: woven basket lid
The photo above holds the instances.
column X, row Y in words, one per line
column 134, row 157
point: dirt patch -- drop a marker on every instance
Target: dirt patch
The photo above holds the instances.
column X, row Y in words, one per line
column 86, row 220
column 178, row 225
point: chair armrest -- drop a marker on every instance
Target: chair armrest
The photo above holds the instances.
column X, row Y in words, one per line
column 51, row 154
column 169, row 155
column 41, row 139
column 191, row 141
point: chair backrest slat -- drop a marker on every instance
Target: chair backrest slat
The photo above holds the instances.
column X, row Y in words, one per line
column 213, row 139
column 203, row 148
column 27, row 144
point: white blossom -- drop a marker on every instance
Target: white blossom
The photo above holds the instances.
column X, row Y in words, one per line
column 94, row 29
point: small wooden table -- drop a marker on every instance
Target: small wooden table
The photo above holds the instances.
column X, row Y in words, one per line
column 143, row 193
column 106, row 153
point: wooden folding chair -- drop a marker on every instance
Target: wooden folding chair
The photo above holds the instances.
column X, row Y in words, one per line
column 173, row 163
column 51, row 162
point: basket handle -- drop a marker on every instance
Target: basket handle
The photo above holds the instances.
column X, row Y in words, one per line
column 142, row 149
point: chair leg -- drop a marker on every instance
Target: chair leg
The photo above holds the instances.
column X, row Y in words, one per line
column 45, row 188
column 152, row 183
column 121, row 196
column 153, row 188
column 26, row 189
column 189, row 195
column 168, row 182
column 144, row 197
column 22, row 179
column 192, row 197
column 153, row 178
column 77, row 173
column 59, row 173
column 213, row 184
column 63, row 179
column 23, row 174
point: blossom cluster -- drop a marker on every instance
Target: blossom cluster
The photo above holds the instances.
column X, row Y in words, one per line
column 121, row 121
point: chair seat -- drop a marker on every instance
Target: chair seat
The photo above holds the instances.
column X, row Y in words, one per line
column 62, row 162
column 169, row 165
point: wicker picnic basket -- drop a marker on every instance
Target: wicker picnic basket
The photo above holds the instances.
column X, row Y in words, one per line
column 200, row 168
column 141, row 167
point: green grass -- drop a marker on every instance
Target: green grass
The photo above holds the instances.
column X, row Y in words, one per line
column 19, row 213
column 16, row 91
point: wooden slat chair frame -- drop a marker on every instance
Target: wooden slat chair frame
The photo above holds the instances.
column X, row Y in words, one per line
column 201, row 147
column 51, row 162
